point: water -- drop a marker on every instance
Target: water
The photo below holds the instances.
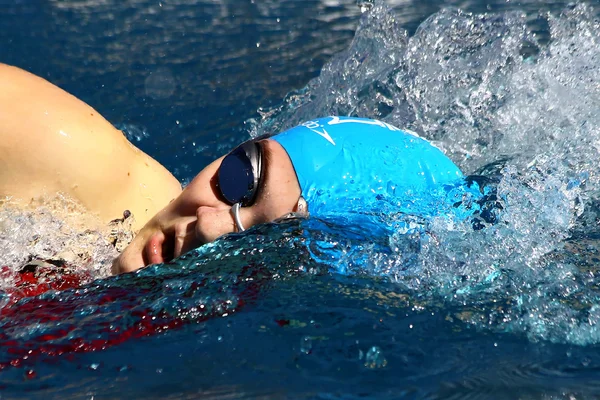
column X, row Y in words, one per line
column 317, row 309
column 483, row 88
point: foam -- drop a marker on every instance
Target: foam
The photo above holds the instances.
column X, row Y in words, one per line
column 484, row 89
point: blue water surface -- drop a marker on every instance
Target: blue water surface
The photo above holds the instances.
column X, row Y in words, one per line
column 315, row 308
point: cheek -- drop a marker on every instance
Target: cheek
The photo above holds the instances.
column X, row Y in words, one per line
column 131, row 258
column 272, row 208
column 213, row 223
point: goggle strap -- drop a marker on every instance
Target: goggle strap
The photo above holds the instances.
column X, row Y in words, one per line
column 235, row 211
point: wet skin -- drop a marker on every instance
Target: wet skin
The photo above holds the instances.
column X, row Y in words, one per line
column 52, row 143
column 199, row 214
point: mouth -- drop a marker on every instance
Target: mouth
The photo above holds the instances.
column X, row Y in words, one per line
column 158, row 250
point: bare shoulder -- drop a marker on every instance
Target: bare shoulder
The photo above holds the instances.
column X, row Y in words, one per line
column 31, row 101
column 53, row 142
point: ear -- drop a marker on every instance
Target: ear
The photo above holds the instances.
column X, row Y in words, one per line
column 301, row 207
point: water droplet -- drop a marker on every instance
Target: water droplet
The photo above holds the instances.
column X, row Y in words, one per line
column 365, row 5
column 586, row 362
column 374, row 358
column 391, row 188
column 306, row 345
column 133, row 132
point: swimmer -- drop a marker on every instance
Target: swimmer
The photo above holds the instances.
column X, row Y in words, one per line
column 336, row 166
column 330, row 166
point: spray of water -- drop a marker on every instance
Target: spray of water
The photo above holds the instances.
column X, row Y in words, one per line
column 483, row 88
column 55, row 230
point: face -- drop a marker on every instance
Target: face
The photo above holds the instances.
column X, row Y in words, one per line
column 200, row 214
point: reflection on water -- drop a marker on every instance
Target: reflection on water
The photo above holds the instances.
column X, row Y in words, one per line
column 160, row 84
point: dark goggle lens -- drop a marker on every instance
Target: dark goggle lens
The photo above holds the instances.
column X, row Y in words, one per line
column 236, row 178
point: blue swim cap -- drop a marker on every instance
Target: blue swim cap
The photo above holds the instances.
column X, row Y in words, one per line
column 357, row 165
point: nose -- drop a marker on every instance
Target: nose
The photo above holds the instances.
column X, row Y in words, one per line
column 179, row 239
column 185, row 238
column 213, row 222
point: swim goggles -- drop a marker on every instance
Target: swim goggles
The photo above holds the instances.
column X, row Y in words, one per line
column 239, row 178
column 240, row 175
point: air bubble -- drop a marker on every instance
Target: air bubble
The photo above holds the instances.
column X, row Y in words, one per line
column 365, row 5
column 374, row 358
column 306, row 345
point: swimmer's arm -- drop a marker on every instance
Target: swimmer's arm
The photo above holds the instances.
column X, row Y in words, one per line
column 50, row 142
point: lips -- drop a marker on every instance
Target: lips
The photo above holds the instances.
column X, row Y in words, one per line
column 153, row 250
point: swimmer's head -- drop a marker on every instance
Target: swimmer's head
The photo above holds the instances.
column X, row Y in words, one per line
column 332, row 165
column 201, row 213
column 349, row 165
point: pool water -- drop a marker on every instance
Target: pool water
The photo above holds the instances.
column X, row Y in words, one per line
column 316, row 308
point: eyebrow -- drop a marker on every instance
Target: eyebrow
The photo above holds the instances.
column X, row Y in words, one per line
column 267, row 160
